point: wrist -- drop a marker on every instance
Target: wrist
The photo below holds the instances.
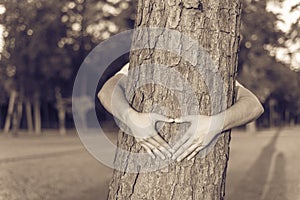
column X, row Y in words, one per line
column 128, row 115
column 218, row 122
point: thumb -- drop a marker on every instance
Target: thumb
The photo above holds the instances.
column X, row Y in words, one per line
column 158, row 117
column 182, row 119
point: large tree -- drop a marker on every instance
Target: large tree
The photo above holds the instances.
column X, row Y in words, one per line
column 215, row 27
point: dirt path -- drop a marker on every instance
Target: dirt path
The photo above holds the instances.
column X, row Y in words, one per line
column 50, row 168
column 263, row 166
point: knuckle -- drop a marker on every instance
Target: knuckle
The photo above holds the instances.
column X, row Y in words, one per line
column 197, row 140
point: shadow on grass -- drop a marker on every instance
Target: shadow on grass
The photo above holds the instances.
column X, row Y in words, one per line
column 277, row 185
column 252, row 186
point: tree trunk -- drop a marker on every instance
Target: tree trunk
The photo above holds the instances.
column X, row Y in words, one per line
column 17, row 116
column 37, row 115
column 272, row 112
column 61, row 111
column 10, row 110
column 214, row 25
column 29, row 116
column 62, row 119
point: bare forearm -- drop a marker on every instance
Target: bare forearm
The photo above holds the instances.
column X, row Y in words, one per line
column 239, row 114
column 112, row 97
column 246, row 109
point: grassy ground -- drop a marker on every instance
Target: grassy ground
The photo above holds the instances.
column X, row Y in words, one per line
column 263, row 166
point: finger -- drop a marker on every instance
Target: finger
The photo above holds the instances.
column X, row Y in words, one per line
column 163, row 118
column 192, row 155
column 182, row 149
column 148, row 150
column 179, row 120
column 187, row 152
column 159, row 153
column 138, row 140
column 181, row 141
column 154, row 149
column 157, row 148
column 183, row 119
column 163, row 145
column 149, row 142
column 195, row 152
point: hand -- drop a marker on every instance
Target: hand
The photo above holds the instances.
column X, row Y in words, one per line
column 142, row 126
column 201, row 132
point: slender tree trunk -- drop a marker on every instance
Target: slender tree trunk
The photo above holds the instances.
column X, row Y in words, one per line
column 292, row 120
column 17, row 116
column 286, row 117
column 61, row 110
column 11, row 105
column 272, row 113
column 215, row 27
column 37, row 115
column 62, row 120
column 29, row 116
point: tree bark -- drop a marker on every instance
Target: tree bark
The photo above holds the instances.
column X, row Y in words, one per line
column 11, row 105
column 61, row 111
column 215, row 27
column 17, row 116
column 29, row 116
column 37, row 115
column 62, row 120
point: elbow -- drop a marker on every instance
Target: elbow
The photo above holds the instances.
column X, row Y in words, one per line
column 101, row 95
column 106, row 92
column 262, row 110
column 259, row 109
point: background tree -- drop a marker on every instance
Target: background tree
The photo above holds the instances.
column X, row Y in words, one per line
column 259, row 69
column 45, row 43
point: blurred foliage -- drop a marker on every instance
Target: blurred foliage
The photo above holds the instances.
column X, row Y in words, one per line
column 258, row 68
column 294, row 36
column 46, row 41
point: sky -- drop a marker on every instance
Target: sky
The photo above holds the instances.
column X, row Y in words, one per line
column 2, row 10
column 285, row 14
column 1, row 38
column 288, row 19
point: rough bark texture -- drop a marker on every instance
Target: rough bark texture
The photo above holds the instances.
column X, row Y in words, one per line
column 10, row 110
column 29, row 116
column 215, row 25
column 37, row 115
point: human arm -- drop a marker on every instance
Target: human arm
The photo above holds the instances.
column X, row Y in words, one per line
column 142, row 125
column 204, row 129
column 247, row 108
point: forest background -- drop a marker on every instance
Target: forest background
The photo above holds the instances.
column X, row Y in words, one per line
column 44, row 43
